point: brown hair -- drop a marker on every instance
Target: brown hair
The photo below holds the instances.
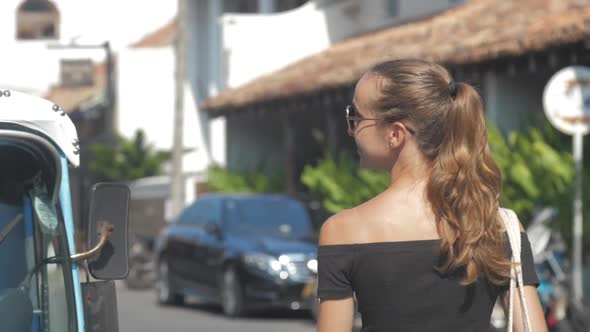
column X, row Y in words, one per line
column 464, row 185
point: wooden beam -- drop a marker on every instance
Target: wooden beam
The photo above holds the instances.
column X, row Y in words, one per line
column 532, row 63
column 331, row 119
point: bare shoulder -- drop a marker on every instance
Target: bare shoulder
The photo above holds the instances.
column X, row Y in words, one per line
column 338, row 229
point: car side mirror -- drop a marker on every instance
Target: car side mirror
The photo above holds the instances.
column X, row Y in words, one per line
column 108, row 217
column 213, row 228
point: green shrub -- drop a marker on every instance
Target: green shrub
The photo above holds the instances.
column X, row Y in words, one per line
column 127, row 159
column 535, row 173
column 339, row 183
column 254, row 181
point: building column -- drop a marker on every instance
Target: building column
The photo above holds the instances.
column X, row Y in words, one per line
column 214, row 47
column 333, row 117
column 266, row 6
column 217, row 128
column 491, row 96
column 289, row 148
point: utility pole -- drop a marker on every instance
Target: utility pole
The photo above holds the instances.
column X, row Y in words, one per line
column 111, row 92
column 178, row 184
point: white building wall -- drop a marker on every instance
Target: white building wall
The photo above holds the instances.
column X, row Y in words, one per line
column 255, row 44
column 30, row 66
column 146, row 101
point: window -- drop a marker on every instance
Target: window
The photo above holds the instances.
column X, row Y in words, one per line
column 44, row 270
column 212, row 211
column 37, row 19
column 205, row 210
column 55, row 298
column 268, row 216
column 392, row 7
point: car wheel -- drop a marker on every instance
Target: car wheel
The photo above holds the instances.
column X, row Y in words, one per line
column 232, row 297
column 164, row 290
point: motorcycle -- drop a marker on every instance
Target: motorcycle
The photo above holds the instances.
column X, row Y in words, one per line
column 553, row 269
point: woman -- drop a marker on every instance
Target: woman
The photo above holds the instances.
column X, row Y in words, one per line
column 430, row 253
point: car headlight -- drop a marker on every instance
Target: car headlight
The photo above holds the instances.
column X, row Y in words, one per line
column 282, row 266
column 264, row 263
column 312, row 265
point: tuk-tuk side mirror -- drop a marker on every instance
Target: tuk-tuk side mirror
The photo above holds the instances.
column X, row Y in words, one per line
column 108, row 215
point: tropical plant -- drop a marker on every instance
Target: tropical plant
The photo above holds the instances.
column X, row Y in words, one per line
column 535, row 173
column 254, row 181
column 339, row 183
column 126, row 159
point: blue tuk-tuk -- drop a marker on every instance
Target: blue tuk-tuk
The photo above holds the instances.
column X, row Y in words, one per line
column 40, row 270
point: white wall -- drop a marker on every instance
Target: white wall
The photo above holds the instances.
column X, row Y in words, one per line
column 146, row 101
column 30, row 66
column 255, row 44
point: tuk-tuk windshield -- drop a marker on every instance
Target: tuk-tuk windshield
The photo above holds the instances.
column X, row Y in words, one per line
column 36, row 292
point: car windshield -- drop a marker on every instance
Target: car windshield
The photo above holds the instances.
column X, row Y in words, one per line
column 269, row 216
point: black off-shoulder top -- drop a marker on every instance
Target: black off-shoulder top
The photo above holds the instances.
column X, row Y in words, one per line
column 398, row 288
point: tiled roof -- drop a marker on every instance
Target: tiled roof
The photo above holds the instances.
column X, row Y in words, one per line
column 478, row 31
column 160, row 38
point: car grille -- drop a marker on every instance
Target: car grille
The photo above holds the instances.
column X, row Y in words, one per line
column 297, row 268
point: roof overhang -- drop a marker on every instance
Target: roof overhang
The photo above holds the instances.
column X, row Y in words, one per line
column 479, row 31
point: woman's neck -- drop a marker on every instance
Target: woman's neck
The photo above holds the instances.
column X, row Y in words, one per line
column 409, row 173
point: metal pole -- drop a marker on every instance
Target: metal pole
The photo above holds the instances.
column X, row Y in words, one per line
column 177, row 149
column 110, row 123
column 578, row 221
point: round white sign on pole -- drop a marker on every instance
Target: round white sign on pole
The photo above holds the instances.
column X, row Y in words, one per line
column 566, row 100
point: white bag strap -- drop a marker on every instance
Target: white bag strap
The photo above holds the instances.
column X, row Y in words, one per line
column 513, row 230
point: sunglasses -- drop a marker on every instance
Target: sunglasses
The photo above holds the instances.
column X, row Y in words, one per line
column 353, row 119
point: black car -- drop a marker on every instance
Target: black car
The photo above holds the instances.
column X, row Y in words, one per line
column 242, row 251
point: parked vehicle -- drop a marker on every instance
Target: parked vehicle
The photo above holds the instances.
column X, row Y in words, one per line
column 147, row 217
column 553, row 270
column 245, row 252
column 142, row 271
column 551, row 264
column 40, row 288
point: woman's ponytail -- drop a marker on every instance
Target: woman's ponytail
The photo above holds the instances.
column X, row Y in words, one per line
column 464, row 190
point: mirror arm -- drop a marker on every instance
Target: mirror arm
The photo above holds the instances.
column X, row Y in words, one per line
column 105, row 231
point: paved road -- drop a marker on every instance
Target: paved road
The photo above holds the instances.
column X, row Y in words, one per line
column 138, row 312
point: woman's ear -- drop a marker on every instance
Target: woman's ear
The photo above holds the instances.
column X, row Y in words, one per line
column 396, row 135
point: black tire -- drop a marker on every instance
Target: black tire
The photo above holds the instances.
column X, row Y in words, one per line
column 232, row 295
column 165, row 293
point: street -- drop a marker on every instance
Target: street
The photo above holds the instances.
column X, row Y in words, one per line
column 138, row 312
